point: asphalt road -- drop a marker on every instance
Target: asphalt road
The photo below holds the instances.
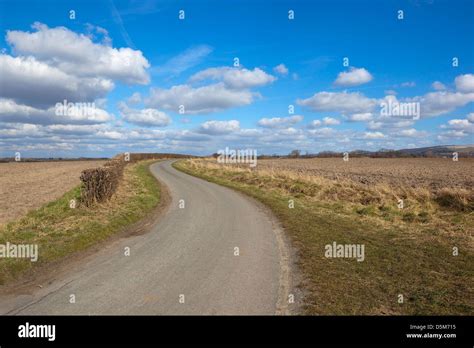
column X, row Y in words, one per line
column 186, row 263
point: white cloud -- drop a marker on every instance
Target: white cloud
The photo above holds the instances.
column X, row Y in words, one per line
column 411, row 133
column 361, row 117
column 438, row 103
column 329, row 121
column 219, row 127
column 31, row 82
column 135, row 98
column 325, row 132
column 77, row 55
column 281, row 69
column 470, row 117
column 235, row 78
column 144, row 117
column 114, row 135
column 465, row 83
column 67, row 129
column 373, row 125
column 452, row 134
column 206, row 99
column 373, row 135
column 438, row 86
column 402, row 124
column 326, row 121
column 20, row 130
column 353, row 77
column 279, row 122
column 343, row 102
column 20, row 113
column 460, row 124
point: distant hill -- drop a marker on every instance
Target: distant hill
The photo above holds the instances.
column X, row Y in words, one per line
column 440, row 151
column 432, row 151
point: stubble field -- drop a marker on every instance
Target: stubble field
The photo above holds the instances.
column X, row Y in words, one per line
column 430, row 173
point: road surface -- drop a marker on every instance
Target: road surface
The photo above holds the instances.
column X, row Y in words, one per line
column 186, row 264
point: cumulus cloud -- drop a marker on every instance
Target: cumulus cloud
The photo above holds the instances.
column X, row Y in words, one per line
column 452, row 134
column 353, row 77
column 465, row 83
column 10, row 111
column 325, row 132
column 374, row 125
column 29, row 81
column 219, row 127
column 144, row 117
column 135, row 98
column 80, row 130
column 281, row 69
column 442, row 102
column 326, row 121
column 78, row 55
column 465, row 125
column 343, row 102
column 57, row 65
column 438, row 86
column 200, row 100
column 361, row 117
column 235, row 78
column 279, row 122
column 111, row 134
column 373, row 135
column 411, row 133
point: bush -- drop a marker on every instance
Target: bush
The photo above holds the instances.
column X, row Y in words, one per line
column 99, row 184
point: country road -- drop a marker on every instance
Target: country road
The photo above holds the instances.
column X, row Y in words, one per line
column 186, row 263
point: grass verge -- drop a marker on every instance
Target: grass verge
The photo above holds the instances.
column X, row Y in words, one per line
column 409, row 257
column 59, row 230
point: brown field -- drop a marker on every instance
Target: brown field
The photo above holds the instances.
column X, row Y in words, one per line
column 28, row 185
column 430, row 173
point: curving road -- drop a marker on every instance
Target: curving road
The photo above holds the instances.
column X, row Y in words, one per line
column 189, row 251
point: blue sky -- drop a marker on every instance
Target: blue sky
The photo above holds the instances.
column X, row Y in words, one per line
column 144, row 50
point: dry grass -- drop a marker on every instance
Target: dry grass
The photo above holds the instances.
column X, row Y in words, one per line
column 383, row 195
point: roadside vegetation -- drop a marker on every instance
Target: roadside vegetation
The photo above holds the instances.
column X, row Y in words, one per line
column 60, row 230
column 418, row 259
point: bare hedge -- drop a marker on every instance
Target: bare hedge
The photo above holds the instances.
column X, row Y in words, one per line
column 99, row 184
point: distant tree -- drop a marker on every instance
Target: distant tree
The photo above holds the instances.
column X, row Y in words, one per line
column 295, row 154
